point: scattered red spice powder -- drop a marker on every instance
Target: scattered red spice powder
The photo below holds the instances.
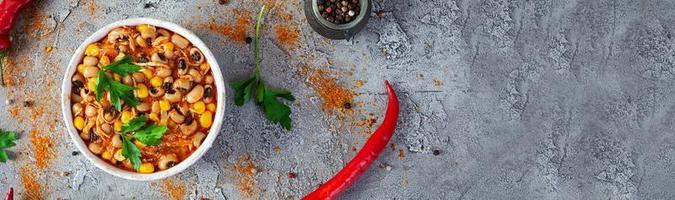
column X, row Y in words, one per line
column 175, row 189
column 287, row 35
column 92, row 7
column 31, row 185
column 401, row 155
column 235, row 32
column 42, row 147
column 333, row 94
column 247, row 170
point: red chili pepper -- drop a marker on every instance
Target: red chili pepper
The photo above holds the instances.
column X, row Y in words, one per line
column 360, row 163
column 9, row 11
column 10, row 194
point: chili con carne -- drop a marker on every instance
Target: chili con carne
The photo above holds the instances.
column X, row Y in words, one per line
column 364, row 158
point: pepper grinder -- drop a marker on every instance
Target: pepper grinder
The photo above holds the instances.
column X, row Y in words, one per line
column 332, row 30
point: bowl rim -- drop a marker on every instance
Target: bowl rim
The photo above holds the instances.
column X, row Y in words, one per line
column 66, row 88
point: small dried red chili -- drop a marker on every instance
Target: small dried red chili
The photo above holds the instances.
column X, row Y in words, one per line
column 364, row 158
column 9, row 11
column 10, row 194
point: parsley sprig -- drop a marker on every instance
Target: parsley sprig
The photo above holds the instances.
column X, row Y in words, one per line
column 117, row 90
column 149, row 134
column 265, row 96
column 7, row 139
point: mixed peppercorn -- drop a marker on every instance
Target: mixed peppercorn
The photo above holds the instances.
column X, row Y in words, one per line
column 339, row 11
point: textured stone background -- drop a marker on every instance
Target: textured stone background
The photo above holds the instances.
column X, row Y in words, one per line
column 524, row 99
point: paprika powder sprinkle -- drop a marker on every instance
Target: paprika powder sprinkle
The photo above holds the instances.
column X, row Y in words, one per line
column 31, row 186
column 176, row 190
column 287, row 35
column 235, row 32
column 334, row 95
column 247, row 170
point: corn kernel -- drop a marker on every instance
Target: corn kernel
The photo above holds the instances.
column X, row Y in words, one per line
column 92, row 50
column 78, row 122
column 153, row 117
column 146, row 168
column 118, row 155
column 104, row 60
column 141, row 91
column 211, row 107
column 117, row 125
column 80, row 68
column 139, row 144
column 126, row 116
column 206, row 119
column 91, row 84
column 168, row 47
column 199, row 107
column 106, row 155
column 156, row 81
column 164, row 105
column 147, row 73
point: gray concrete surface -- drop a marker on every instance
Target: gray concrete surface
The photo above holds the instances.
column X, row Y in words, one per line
column 523, row 99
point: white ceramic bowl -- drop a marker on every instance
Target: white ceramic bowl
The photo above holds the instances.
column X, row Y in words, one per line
column 68, row 116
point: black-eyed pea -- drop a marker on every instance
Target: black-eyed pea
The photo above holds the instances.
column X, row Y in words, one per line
column 95, row 148
column 106, row 128
column 156, row 92
column 167, row 161
column 147, row 31
column 189, row 128
column 158, row 58
column 77, row 109
column 90, row 110
column 155, row 107
column 182, row 84
column 179, row 41
column 143, row 107
column 159, row 41
column 163, row 72
column 176, row 117
column 196, row 56
column 208, row 79
column 138, row 77
column 90, row 61
column 128, row 80
column 196, row 76
column 198, row 138
column 173, row 97
column 196, row 94
column 163, row 32
column 141, row 41
column 90, row 71
column 116, row 141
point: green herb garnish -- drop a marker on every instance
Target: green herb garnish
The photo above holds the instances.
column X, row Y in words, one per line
column 7, row 139
column 149, row 134
column 117, row 90
column 266, row 97
column 123, row 67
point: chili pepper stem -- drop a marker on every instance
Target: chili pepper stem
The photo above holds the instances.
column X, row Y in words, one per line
column 365, row 157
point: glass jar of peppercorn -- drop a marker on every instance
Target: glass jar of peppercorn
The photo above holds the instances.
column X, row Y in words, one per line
column 337, row 19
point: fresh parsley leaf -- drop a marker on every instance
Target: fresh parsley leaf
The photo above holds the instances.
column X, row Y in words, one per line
column 265, row 97
column 134, row 124
column 7, row 139
column 243, row 90
column 117, row 91
column 123, row 67
column 3, row 156
column 150, row 135
column 276, row 111
column 131, row 152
